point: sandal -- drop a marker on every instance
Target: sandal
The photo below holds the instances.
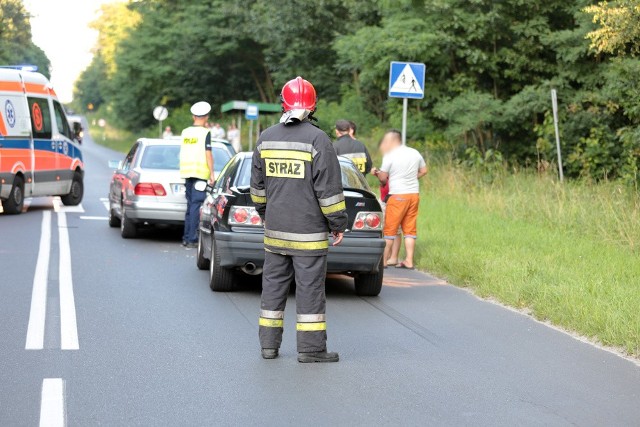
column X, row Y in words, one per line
column 402, row 265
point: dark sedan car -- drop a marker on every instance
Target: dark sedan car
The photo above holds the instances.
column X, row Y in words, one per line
column 231, row 231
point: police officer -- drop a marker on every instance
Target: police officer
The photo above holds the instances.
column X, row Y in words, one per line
column 196, row 164
column 346, row 145
column 297, row 188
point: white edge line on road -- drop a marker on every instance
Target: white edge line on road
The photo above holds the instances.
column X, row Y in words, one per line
column 52, row 410
column 37, row 314
column 96, row 218
column 59, row 207
column 68, row 324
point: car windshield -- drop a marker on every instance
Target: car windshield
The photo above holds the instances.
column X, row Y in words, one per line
column 351, row 177
column 165, row 157
column 220, row 157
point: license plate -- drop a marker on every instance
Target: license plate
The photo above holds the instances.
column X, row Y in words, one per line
column 178, row 188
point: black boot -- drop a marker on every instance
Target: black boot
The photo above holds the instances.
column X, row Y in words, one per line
column 269, row 353
column 320, row 356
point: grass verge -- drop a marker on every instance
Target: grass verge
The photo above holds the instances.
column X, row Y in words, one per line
column 568, row 253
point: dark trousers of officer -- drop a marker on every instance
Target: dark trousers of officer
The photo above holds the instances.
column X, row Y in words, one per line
column 192, row 216
column 310, row 273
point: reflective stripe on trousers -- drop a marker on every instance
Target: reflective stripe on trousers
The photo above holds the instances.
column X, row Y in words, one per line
column 309, row 273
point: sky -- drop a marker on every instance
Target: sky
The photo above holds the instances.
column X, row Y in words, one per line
column 61, row 29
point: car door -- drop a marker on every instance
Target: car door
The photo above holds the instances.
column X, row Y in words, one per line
column 119, row 181
column 46, row 162
column 65, row 150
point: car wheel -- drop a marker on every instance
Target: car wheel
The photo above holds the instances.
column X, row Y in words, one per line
column 202, row 262
column 13, row 205
column 220, row 279
column 369, row 284
column 128, row 228
column 114, row 221
column 77, row 191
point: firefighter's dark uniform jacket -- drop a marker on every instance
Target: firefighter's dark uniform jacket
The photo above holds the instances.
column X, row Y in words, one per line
column 354, row 150
column 296, row 185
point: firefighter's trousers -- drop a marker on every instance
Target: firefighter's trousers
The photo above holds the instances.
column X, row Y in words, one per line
column 310, row 273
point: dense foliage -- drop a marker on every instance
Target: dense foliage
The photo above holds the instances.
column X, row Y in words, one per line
column 16, row 46
column 490, row 65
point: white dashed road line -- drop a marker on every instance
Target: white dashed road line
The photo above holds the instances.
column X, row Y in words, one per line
column 35, row 330
column 105, row 202
column 68, row 324
column 52, row 406
column 95, row 218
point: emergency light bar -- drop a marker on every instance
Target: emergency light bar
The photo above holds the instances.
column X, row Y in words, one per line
column 31, row 68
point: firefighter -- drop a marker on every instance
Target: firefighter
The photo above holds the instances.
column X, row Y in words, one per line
column 347, row 146
column 196, row 164
column 296, row 185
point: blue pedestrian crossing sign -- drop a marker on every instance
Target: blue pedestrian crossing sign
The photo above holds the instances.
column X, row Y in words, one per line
column 406, row 80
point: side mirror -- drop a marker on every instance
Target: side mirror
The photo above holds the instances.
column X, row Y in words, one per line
column 115, row 164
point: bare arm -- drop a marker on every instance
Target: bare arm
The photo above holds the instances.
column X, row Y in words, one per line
column 210, row 164
column 422, row 172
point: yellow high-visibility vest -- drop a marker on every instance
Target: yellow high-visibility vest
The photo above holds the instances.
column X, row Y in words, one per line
column 193, row 153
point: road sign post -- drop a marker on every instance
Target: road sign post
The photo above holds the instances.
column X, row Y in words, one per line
column 554, row 105
column 160, row 113
column 252, row 113
column 406, row 81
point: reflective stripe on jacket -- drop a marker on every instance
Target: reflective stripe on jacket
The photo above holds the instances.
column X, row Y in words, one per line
column 193, row 156
column 296, row 184
column 356, row 151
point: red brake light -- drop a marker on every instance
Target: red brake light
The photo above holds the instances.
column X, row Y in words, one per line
column 368, row 221
column 240, row 216
column 373, row 221
column 245, row 216
column 149, row 189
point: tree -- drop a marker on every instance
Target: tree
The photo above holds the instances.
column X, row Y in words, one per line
column 16, row 45
column 619, row 27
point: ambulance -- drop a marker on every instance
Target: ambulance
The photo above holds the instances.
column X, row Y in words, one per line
column 38, row 155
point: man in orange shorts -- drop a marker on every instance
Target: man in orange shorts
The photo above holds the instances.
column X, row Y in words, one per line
column 402, row 167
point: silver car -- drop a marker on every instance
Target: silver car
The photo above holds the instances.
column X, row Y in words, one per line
column 146, row 188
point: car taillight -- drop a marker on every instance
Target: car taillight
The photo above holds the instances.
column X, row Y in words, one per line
column 368, row 221
column 244, row 215
column 149, row 189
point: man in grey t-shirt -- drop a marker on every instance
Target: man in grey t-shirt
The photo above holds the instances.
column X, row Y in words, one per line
column 402, row 166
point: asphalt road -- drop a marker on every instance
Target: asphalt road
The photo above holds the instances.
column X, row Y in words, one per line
column 132, row 335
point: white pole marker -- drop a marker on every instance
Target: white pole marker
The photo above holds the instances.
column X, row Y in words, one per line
column 37, row 314
column 68, row 324
column 52, row 411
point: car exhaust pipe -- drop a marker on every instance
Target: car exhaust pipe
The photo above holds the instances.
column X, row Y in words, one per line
column 251, row 269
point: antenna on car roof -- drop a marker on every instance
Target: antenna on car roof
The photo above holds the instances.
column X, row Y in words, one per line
column 25, row 67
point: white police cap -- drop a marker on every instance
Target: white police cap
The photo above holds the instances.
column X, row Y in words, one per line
column 201, row 109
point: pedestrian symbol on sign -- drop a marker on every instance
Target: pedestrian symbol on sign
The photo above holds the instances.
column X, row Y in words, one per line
column 406, row 80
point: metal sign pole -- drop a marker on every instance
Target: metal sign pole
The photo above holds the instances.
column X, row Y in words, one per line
column 405, row 106
column 160, row 129
column 554, row 104
column 250, row 135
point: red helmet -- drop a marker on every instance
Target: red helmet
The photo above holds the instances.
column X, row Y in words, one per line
column 298, row 94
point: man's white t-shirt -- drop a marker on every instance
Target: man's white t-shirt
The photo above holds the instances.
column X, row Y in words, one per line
column 402, row 164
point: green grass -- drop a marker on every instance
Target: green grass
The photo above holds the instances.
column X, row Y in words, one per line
column 568, row 253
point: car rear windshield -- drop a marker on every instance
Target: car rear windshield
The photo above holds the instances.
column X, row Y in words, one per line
column 161, row 157
column 220, row 157
column 167, row 157
column 351, row 177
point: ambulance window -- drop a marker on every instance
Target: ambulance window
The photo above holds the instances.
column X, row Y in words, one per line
column 40, row 118
column 61, row 120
